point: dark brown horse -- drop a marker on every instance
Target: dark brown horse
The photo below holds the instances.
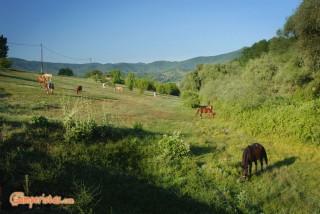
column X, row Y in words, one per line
column 205, row 110
column 253, row 153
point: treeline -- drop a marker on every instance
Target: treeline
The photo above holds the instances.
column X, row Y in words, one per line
column 286, row 66
column 132, row 81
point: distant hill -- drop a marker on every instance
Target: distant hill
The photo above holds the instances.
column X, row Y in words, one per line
column 158, row 70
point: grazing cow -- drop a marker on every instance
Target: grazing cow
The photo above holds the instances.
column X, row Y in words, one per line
column 79, row 89
column 47, row 76
column 49, row 87
column 41, row 79
column 103, row 85
column 118, row 89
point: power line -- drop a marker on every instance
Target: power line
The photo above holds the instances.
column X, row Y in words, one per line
column 54, row 52
column 12, row 43
column 59, row 54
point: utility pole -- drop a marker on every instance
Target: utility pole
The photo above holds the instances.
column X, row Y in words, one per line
column 41, row 58
column 91, row 64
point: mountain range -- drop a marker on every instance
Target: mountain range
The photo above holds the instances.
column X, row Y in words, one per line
column 159, row 70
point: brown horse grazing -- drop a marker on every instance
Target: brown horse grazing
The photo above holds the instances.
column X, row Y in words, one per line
column 205, row 110
column 253, row 153
column 79, row 89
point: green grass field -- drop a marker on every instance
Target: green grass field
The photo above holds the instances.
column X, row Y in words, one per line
column 117, row 166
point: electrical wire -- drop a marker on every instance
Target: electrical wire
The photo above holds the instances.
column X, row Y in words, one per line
column 54, row 52
column 12, row 43
column 59, row 54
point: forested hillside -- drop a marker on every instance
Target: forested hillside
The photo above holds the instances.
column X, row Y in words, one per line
column 277, row 82
column 160, row 70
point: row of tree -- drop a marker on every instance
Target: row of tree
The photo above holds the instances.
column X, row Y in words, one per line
column 132, row 81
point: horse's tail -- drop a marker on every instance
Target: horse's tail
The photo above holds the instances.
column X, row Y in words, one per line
column 265, row 156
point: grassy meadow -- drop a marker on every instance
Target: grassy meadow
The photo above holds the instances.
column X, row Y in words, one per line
column 102, row 149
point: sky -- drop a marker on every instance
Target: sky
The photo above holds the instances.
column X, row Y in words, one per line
column 132, row 31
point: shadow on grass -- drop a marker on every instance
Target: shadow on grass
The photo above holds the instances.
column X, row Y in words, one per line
column 19, row 78
column 3, row 93
column 282, row 163
column 42, row 107
column 104, row 134
column 201, row 150
column 102, row 170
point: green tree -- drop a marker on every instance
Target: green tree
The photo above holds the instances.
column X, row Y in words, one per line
column 130, row 80
column 65, row 72
column 255, row 51
column 172, row 89
column 91, row 73
column 142, row 85
column 117, row 77
column 192, row 81
column 3, row 47
column 4, row 62
column 304, row 25
column 160, row 88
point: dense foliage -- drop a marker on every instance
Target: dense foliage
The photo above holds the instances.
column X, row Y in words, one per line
column 65, row 72
column 270, row 79
column 3, row 47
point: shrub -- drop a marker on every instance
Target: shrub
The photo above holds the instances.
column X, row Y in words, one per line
column 39, row 121
column 78, row 130
column 5, row 63
column 78, row 126
column 190, row 98
column 138, row 126
column 174, row 146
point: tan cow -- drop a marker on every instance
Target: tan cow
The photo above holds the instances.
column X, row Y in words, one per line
column 118, row 89
column 47, row 76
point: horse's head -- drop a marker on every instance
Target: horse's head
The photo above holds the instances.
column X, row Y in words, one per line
column 244, row 170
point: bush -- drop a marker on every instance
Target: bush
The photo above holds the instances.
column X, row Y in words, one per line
column 39, row 121
column 174, row 146
column 190, row 98
column 78, row 130
column 138, row 126
column 79, row 126
column 5, row 63
column 65, row 72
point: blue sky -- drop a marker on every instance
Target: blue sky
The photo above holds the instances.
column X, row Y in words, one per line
column 133, row 31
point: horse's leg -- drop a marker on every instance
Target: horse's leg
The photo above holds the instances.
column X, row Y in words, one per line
column 250, row 166
column 261, row 163
column 255, row 163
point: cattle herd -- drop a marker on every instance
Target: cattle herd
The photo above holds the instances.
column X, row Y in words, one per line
column 46, row 78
